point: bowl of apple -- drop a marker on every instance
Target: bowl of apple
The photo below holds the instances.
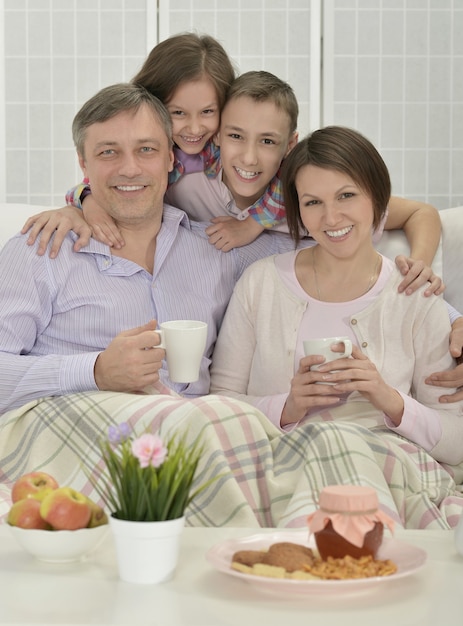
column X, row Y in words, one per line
column 53, row 523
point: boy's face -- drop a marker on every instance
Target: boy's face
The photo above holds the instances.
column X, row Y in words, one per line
column 254, row 138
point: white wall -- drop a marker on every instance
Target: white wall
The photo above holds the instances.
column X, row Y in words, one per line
column 392, row 68
column 57, row 54
column 271, row 35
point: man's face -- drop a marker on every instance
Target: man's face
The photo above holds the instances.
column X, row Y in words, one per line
column 127, row 160
column 254, row 138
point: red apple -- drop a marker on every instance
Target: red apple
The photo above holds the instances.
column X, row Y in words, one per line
column 98, row 516
column 26, row 514
column 66, row 509
column 32, row 483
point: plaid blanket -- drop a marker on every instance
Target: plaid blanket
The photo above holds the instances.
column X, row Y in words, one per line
column 269, row 479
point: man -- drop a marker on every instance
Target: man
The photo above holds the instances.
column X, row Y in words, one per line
column 83, row 322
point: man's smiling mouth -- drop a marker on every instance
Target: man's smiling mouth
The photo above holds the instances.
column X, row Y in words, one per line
column 130, row 187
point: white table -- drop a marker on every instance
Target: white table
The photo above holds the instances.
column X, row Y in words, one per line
column 89, row 592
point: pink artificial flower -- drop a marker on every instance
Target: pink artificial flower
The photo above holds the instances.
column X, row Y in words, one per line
column 149, row 450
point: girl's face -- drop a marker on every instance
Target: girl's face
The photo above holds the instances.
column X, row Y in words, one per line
column 335, row 211
column 194, row 109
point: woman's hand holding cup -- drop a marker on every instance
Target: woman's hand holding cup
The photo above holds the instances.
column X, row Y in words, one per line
column 308, row 390
column 358, row 373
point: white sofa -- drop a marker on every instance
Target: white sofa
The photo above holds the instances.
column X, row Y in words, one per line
column 448, row 262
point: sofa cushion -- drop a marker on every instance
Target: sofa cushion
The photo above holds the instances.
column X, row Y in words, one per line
column 13, row 217
column 394, row 242
column 452, row 255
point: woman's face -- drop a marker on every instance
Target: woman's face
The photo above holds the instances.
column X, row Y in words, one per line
column 333, row 208
column 195, row 114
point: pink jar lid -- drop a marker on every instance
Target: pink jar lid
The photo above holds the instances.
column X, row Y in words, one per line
column 348, row 499
column 352, row 510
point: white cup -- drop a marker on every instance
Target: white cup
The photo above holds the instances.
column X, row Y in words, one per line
column 322, row 347
column 184, row 342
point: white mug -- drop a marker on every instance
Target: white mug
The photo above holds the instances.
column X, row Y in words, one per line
column 322, row 347
column 184, row 342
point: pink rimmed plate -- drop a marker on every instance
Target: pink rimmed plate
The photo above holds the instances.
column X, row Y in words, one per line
column 408, row 558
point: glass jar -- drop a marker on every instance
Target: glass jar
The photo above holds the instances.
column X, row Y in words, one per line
column 348, row 522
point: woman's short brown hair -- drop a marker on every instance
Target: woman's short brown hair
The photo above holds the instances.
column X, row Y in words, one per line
column 344, row 150
column 262, row 86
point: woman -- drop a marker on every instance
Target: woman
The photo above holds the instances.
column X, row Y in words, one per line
column 337, row 186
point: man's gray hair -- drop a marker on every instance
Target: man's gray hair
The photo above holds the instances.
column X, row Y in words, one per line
column 112, row 100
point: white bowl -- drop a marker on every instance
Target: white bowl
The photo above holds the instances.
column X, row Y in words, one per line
column 59, row 546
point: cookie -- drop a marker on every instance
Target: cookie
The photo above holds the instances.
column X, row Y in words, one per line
column 290, row 556
column 248, row 557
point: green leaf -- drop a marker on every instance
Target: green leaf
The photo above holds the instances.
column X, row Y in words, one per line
column 150, row 494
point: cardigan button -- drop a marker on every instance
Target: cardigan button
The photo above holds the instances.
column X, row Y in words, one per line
column 364, row 344
column 353, row 322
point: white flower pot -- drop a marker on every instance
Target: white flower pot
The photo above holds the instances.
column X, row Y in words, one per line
column 147, row 552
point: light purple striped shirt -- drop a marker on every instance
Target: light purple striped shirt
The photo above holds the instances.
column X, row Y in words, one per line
column 57, row 315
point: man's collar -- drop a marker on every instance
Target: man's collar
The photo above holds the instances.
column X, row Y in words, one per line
column 172, row 218
column 174, row 215
column 93, row 247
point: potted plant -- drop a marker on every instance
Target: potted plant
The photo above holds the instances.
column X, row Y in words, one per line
column 147, row 485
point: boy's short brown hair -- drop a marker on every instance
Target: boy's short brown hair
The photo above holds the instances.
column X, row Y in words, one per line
column 266, row 87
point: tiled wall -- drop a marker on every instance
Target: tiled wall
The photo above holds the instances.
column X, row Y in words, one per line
column 57, row 54
column 392, row 68
column 271, row 35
